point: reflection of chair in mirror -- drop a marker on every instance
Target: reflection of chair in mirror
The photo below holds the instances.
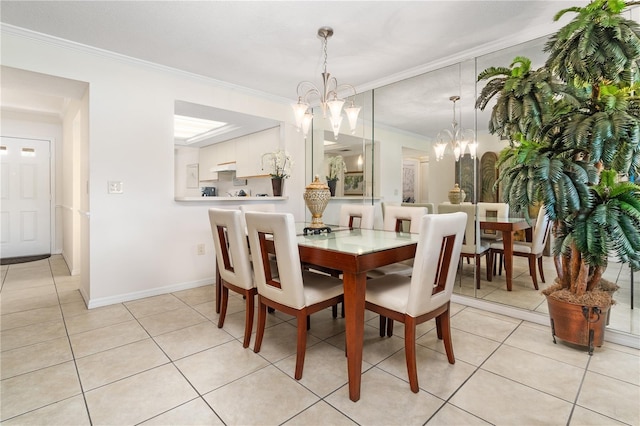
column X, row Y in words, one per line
column 232, row 256
column 294, row 292
column 426, row 294
column 473, row 247
column 395, row 219
column 497, row 210
column 357, row 216
column 532, row 250
column 431, row 208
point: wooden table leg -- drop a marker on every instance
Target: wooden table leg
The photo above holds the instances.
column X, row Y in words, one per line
column 507, row 242
column 218, row 289
column 354, row 289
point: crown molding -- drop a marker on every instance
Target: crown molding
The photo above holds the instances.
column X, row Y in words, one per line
column 90, row 50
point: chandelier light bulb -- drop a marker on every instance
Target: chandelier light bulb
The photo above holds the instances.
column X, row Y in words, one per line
column 352, row 114
column 299, row 109
column 306, row 123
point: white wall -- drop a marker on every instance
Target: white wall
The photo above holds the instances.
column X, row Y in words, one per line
column 142, row 242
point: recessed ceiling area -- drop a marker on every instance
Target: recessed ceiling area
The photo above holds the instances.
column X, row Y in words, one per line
column 26, row 92
column 237, row 124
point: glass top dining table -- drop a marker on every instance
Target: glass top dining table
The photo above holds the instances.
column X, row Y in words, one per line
column 355, row 252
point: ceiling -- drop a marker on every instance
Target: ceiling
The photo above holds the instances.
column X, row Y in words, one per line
column 269, row 47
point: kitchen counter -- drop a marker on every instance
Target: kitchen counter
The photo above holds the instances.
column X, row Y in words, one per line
column 229, row 199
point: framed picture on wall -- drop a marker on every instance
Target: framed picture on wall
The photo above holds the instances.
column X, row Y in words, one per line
column 353, row 183
column 192, row 176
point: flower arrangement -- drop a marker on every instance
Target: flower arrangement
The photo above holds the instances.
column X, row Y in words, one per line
column 336, row 166
column 279, row 163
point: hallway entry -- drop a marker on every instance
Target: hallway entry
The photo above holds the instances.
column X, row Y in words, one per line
column 25, row 191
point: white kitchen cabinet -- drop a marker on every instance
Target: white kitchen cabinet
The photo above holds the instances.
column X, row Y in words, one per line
column 249, row 151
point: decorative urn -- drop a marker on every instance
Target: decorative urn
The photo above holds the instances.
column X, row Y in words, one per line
column 457, row 195
column 316, row 198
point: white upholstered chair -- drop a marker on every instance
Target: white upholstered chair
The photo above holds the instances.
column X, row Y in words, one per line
column 235, row 269
column 426, row 294
column 363, row 213
column 396, row 219
column 294, row 292
column 497, row 210
column 531, row 250
column 473, row 247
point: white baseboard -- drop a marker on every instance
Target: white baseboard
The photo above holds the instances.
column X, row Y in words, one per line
column 104, row 301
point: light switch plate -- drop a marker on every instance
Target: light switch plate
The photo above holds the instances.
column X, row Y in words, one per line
column 114, row 187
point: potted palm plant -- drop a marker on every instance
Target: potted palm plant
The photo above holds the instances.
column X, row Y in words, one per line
column 573, row 128
column 337, row 166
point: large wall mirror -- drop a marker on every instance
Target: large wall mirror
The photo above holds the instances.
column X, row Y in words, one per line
column 409, row 115
column 218, row 152
column 346, row 154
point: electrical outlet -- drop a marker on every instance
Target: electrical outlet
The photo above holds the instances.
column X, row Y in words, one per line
column 114, row 187
column 200, row 249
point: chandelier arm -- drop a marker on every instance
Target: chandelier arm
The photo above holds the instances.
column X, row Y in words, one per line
column 306, row 89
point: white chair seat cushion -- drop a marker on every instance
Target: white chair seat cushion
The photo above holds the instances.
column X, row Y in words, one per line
column 320, row 287
column 390, row 291
column 518, row 247
column 401, row 268
column 474, row 248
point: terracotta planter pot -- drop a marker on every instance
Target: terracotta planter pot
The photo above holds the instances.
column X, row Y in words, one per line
column 573, row 323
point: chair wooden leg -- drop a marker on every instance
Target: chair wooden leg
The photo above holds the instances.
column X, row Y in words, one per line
column 248, row 320
column 334, row 311
column 540, row 269
column 410, row 351
column 302, row 343
column 532, row 271
column 477, row 260
column 501, row 263
column 383, row 325
column 445, row 325
column 493, row 261
column 438, row 328
column 262, row 321
column 342, row 313
column 389, row 327
column 223, row 306
column 489, row 266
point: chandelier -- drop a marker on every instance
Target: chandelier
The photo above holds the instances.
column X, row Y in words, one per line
column 459, row 139
column 329, row 99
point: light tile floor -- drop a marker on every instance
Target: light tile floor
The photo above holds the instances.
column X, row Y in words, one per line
column 162, row 360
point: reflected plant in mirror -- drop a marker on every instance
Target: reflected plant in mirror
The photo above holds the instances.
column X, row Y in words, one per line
column 337, row 167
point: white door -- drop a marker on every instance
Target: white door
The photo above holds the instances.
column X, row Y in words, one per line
column 25, row 193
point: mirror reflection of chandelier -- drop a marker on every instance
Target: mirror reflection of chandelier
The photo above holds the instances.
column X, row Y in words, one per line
column 459, row 139
column 329, row 99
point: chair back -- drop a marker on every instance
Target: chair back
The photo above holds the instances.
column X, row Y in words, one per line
column 431, row 208
column 396, row 215
column 434, row 267
column 275, row 233
column 230, row 242
column 471, row 243
column 267, row 208
column 541, row 231
column 497, row 210
column 349, row 212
